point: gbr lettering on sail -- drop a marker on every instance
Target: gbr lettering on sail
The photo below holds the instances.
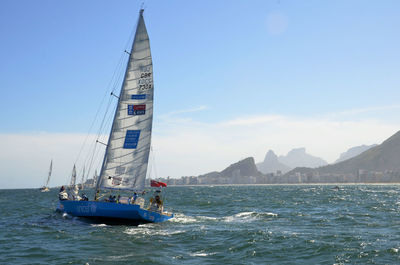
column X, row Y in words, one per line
column 145, row 80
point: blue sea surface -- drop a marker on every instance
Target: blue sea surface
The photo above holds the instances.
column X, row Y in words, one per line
column 296, row 224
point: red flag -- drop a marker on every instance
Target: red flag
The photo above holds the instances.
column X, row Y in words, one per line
column 154, row 183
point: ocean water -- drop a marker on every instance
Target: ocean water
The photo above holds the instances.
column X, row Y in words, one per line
column 214, row 225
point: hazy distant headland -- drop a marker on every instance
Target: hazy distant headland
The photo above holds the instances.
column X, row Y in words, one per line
column 360, row 164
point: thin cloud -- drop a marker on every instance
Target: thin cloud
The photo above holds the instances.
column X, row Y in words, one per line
column 190, row 147
column 253, row 120
column 184, row 111
column 363, row 110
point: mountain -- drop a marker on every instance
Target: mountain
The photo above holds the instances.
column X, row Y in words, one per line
column 381, row 158
column 299, row 158
column 385, row 156
column 271, row 164
column 242, row 172
column 245, row 167
column 354, row 151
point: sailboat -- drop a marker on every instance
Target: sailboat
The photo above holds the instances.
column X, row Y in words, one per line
column 126, row 156
column 45, row 188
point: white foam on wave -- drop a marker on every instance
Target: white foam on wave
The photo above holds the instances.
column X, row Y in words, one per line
column 206, row 218
column 120, row 258
column 183, row 219
column 147, row 230
column 248, row 216
column 271, row 214
column 98, row 225
column 202, row 254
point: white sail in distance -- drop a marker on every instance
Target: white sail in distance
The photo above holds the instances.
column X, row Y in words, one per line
column 48, row 177
column 73, row 177
column 127, row 152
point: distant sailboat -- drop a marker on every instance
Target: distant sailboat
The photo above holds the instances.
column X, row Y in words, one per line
column 45, row 188
column 73, row 190
column 73, row 177
column 126, row 157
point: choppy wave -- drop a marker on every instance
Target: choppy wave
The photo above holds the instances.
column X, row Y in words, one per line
column 218, row 225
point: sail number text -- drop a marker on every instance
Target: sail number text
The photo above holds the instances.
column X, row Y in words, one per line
column 145, row 81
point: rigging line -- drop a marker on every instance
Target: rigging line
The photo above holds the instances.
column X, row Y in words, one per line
column 128, row 44
column 151, row 167
column 90, row 158
column 91, row 162
column 100, row 106
column 117, row 80
column 91, row 148
column 90, row 151
column 95, row 160
column 154, row 161
column 116, row 84
column 95, row 152
column 106, row 120
column 104, row 117
column 106, row 123
column 127, row 47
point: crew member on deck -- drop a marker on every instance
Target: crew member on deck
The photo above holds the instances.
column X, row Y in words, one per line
column 62, row 195
column 133, row 198
column 75, row 193
column 156, row 204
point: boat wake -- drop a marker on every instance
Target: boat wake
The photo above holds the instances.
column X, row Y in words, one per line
column 239, row 217
column 150, row 230
column 98, row 225
column 246, row 217
column 183, row 219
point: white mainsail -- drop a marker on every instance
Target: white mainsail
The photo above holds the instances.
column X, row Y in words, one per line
column 48, row 177
column 127, row 153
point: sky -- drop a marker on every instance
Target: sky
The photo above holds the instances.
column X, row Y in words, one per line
column 233, row 79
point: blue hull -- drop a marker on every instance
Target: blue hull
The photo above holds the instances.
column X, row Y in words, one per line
column 113, row 213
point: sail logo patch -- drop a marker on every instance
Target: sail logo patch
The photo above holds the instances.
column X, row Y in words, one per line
column 131, row 139
column 137, row 109
column 139, row 96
